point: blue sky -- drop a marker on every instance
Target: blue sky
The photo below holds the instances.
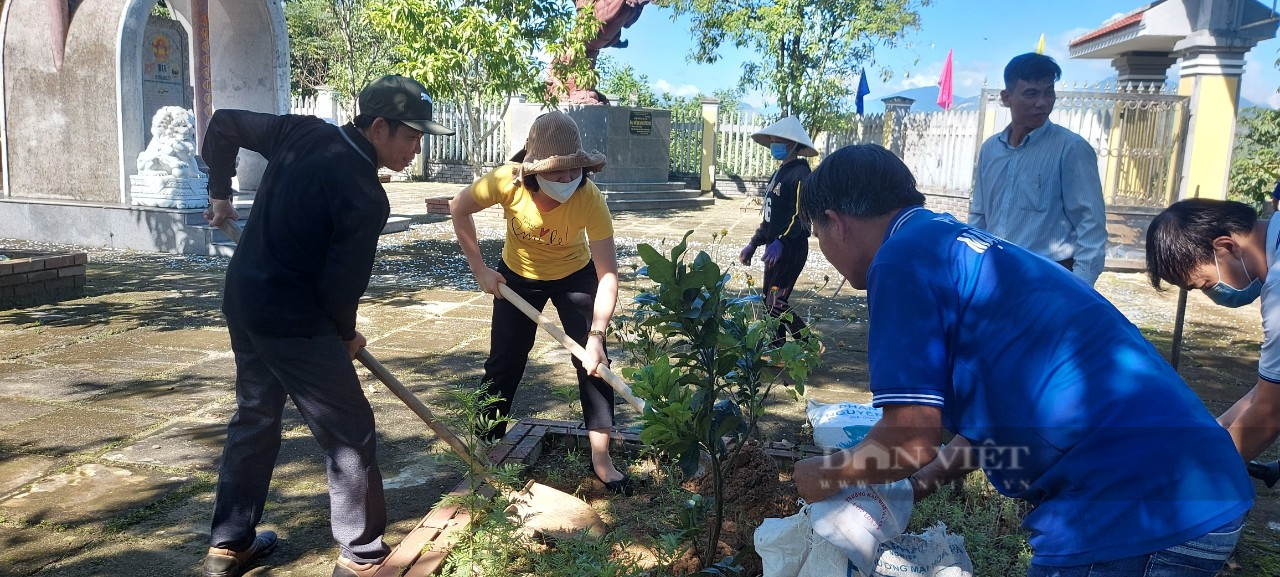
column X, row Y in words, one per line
column 984, row 35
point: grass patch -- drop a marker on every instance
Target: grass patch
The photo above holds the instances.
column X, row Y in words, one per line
column 990, row 523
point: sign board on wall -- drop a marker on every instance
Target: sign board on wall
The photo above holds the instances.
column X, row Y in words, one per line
column 166, row 78
column 640, row 122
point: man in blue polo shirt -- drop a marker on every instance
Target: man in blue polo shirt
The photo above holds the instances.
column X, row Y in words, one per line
column 1049, row 389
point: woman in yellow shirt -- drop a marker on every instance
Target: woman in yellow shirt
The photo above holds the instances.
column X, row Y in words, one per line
column 559, row 247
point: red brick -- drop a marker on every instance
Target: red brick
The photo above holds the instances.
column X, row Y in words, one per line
column 42, row 275
column 58, row 261
column 80, row 258
column 21, row 265
column 28, row 289
column 498, row 453
column 77, row 270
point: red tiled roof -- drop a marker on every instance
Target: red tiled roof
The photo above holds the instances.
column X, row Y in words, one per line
column 1127, row 21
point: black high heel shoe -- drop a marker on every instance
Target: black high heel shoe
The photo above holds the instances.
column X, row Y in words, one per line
column 624, row 486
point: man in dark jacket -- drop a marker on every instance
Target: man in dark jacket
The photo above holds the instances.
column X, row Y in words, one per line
column 785, row 237
column 292, row 290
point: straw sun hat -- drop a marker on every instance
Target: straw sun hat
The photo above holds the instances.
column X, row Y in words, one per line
column 555, row 144
column 788, row 128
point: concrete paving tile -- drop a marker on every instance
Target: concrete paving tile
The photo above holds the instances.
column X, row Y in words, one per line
column 420, row 342
column 18, row 342
column 73, row 430
column 116, row 354
column 193, row 445
column 196, row 339
column 168, row 397
column 55, row 383
column 23, row 551
column 13, row 410
column 17, row 470
column 480, row 312
column 89, row 496
column 219, row 369
column 153, row 556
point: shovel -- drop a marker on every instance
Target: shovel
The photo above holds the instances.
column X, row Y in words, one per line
column 619, row 386
column 546, row 510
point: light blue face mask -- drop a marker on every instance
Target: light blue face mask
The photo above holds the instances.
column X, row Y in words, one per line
column 779, row 150
column 1231, row 297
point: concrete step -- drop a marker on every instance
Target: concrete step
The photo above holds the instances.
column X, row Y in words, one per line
column 661, row 204
column 611, row 187
column 652, row 194
column 243, row 205
column 220, row 245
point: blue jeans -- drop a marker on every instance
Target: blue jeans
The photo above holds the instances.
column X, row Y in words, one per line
column 1203, row 556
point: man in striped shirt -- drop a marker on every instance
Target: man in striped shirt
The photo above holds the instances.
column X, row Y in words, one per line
column 1037, row 183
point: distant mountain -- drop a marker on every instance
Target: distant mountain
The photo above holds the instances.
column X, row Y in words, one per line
column 926, row 100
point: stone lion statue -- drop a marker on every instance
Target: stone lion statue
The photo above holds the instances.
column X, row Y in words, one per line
column 172, row 149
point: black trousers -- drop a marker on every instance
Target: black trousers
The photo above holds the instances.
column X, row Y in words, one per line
column 512, row 334
column 318, row 375
column 779, row 280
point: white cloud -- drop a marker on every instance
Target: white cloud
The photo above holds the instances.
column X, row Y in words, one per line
column 1260, row 79
column 755, row 99
column 966, row 78
column 662, row 86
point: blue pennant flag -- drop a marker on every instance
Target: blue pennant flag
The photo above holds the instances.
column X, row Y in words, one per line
column 863, row 90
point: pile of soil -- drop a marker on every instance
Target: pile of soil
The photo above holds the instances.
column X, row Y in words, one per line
column 755, row 490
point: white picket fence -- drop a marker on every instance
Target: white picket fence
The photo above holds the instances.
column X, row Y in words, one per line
column 325, row 104
column 1136, row 131
column 939, row 147
column 492, row 149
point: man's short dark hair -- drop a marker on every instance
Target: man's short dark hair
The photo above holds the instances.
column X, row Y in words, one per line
column 862, row 180
column 363, row 121
column 1030, row 67
column 1181, row 238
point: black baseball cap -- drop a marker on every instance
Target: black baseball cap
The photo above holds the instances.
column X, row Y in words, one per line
column 396, row 97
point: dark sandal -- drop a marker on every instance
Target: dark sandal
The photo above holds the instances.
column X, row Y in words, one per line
column 624, row 486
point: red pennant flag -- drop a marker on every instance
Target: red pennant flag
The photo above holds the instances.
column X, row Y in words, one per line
column 944, row 85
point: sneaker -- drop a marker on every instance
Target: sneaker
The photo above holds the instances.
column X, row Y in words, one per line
column 348, row 568
column 227, row 563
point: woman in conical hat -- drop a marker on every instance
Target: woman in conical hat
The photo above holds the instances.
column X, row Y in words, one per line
column 785, row 237
column 559, row 247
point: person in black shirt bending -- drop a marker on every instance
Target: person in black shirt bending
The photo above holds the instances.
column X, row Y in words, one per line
column 292, row 290
column 784, row 236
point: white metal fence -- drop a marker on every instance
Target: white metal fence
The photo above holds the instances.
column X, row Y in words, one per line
column 1136, row 131
column 491, row 149
column 324, row 103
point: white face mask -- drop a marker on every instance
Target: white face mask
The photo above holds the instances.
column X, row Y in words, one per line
column 560, row 191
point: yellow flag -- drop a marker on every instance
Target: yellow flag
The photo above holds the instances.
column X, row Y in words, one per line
column 1040, row 46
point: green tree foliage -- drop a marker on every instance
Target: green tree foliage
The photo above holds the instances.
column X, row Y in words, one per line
column 630, row 88
column 363, row 54
column 622, row 83
column 808, row 52
column 311, row 45
column 332, row 44
column 486, row 51
column 1255, row 164
column 715, row 354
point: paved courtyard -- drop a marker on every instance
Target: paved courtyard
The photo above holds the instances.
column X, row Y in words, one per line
column 113, row 406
